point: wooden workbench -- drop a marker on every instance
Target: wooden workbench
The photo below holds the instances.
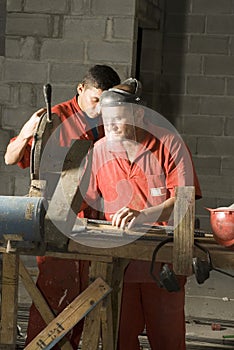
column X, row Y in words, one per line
column 100, row 303
column 103, row 299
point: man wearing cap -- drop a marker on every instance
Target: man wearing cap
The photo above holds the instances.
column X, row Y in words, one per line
column 136, row 167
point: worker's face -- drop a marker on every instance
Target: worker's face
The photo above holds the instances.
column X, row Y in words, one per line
column 119, row 122
column 88, row 100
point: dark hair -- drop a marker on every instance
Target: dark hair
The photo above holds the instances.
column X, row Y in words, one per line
column 101, row 77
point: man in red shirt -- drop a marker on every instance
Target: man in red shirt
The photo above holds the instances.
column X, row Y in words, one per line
column 61, row 280
column 136, row 168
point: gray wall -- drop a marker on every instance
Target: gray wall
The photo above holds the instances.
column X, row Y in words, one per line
column 185, row 63
column 56, row 41
column 197, row 91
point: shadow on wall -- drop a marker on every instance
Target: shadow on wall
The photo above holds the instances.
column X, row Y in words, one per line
column 174, row 49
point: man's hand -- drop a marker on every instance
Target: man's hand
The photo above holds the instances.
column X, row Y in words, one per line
column 30, row 126
column 127, row 217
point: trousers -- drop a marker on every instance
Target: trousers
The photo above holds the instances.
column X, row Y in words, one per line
column 60, row 282
column 161, row 313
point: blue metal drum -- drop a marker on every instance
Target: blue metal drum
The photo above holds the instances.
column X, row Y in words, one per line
column 22, row 217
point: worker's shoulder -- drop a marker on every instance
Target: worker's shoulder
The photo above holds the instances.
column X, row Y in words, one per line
column 69, row 105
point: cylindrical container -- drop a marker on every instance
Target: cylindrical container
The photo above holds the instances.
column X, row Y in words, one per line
column 23, row 217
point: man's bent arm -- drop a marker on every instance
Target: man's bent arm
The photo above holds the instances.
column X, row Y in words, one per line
column 15, row 149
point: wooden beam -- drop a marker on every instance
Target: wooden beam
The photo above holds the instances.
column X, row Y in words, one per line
column 70, row 316
column 39, row 301
column 184, row 211
column 93, row 321
column 142, row 250
column 9, row 299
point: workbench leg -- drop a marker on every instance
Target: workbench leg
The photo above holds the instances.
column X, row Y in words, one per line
column 184, row 217
column 9, row 302
column 102, row 323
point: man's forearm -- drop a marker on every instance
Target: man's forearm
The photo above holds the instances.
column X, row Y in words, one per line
column 160, row 212
column 15, row 150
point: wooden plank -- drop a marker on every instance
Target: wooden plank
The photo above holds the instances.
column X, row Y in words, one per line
column 93, row 324
column 117, row 286
column 142, row 250
column 184, row 214
column 104, row 319
column 71, row 315
column 74, row 180
column 40, row 302
column 9, row 301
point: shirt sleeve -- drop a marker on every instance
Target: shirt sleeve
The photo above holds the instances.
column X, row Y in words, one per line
column 181, row 170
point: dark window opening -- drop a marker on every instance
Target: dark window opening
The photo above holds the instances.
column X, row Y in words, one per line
column 2, row 26
column 139, row 49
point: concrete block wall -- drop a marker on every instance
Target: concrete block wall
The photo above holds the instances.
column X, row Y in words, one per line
column 197, row 93
column 55, row 41
column 186, row 67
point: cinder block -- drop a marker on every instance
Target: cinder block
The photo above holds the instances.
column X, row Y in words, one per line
column 220, row 24
column 203, row 125
column 44, row 6
column 22, row 184
column 25, row 71
column 182, row 6
column 191, row 142
column 184, row 64
column 67, row 72
column 123, row 27
column 28, row 48
column 113, row 7
column 213, row 146
column 12, row 47
column 209, row 44
column 62, row 50
column 217, row 105
column 230, row 86
column 227, row 167
column 14, row 118
column 229, row 128
column 221, row 187
column 202, row 85
column 174, row 84
column 185, row 23
column 28, row 24
column 14, row 5
column 176, row 44
column 5, row 93
column 100, row 51
column 6, row 184
column 206, row 165
column 218, row 65
column 178, row 104
column 212, row 6
column 232, row 47
column 27, row 95
column 4, row 140
column 80, row 7
column 84, row 28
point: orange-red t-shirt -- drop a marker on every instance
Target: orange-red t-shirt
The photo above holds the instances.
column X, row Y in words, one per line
column 75, row 125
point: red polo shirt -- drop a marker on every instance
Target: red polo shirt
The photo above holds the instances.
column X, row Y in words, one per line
column 161, row 164
column 75, row 125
